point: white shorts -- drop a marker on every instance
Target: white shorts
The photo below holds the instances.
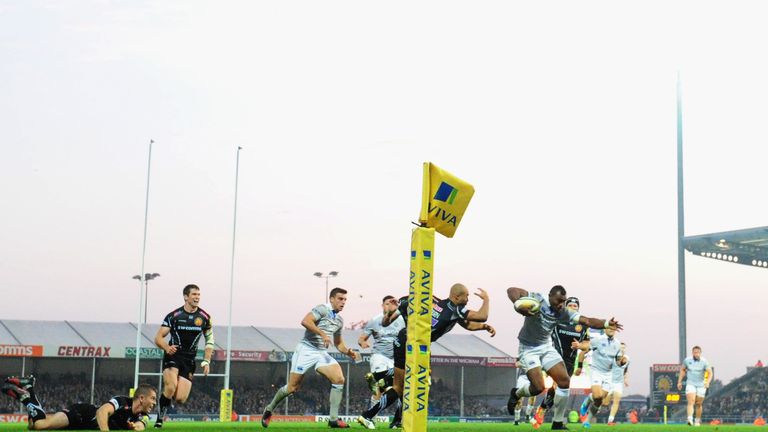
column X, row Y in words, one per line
column 380, row 363
column 543, row 356
column 617, row 387
column 305, row 357
column 600, row 378
column 700, row 390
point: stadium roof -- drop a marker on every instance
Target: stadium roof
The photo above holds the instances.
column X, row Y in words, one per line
column 747, row 246
column 247, row 338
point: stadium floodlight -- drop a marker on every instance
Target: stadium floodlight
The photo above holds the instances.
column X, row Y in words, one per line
column 326, row 277
column 147, row 277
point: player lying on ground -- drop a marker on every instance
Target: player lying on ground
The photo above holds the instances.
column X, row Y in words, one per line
column 445, row 314
column 119, row 413
column 536, row 351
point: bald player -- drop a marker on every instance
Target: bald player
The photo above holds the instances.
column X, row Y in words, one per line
column 446, row 313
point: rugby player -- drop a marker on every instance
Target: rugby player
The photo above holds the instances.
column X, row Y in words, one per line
column 620, row 379
column 536, row 351
column 698, row 374
column 321, row 323
column 382, row 362
column 606, row 355
column 119, row 413
column 446, row 314
column 185, row 325
column 562, row 336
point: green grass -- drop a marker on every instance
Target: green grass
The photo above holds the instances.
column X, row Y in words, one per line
column 437, row 427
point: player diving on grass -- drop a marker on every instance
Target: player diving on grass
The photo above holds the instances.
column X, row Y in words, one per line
column 119, row 413
column 445, row 314
column 607, row 354
column 185, row 325
column 321, row 323
column 382, row 360
column 536, row 351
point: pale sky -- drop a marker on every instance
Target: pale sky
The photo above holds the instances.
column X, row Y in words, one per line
column 561, row 114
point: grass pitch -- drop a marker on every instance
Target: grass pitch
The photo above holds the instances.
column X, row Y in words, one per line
column 436, row 427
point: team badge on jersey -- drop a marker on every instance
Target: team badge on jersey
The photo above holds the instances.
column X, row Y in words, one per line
column 198, row 321
column 578, row 327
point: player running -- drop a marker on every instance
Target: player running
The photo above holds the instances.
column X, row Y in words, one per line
column 619, row 380
column 382, row 361
column 562, row 336
column 446, row 314
column 537, row 352
column 698, row 374
column 119, row 413
column 606, row 355
column 321, row 323
column 185, row 325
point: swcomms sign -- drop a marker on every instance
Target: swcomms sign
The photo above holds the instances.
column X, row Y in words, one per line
column 664, row 384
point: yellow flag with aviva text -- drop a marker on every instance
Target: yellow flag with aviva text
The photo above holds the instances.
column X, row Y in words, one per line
column 445, row 198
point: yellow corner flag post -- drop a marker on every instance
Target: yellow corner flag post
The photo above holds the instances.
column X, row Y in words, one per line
column 225, row 405
column 444, row 199
column 417, row 349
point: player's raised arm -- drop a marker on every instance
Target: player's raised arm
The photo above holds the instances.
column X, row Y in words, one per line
column 399, row 307
column 681, row 377
column 478, row 326
column 102, row 415
column 480, row 315
column 514, row 294
column 597, row 323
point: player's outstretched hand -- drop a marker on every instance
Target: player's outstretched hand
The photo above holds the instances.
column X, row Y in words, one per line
column 364, row 344
column 679, row 386
column 489, row 328
column 356, row 356
column 577, row 371
column 482, row 294
column 172, row 349
column 206, row 369
column 612, row 323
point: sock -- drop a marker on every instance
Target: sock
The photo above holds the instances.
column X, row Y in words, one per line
column 398, row 417
column 33, row 398
column 373, row 401
column 593, row 409
column 561, row 400
column 524, row 391
column 35, row 411
column 690, row 419
column 281, row 394
column 162, row 407
column 336, row 391
column 528, row 409
column 517, row 415
column 388, row 398
column 610, row 419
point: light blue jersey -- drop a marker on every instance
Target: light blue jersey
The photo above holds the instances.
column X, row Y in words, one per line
column 328, row 321
column 605, row 352
column 537, row 329
column 694, row 370
column 384, row 337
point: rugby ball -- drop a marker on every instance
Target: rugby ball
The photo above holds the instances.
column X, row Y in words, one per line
column 527, row 304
